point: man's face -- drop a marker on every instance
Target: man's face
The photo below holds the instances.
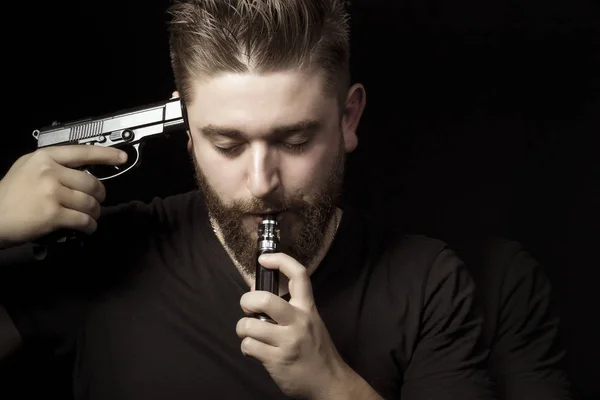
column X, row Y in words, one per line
column 268, row 144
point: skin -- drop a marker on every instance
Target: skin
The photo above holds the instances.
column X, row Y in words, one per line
column 268, row 172
column 43, row 192
column 299, row 171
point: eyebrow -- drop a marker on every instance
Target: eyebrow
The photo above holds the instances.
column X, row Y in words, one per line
column 213, row 132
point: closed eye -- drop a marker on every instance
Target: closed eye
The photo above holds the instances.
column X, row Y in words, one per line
column 293, row 147
column 296, row 147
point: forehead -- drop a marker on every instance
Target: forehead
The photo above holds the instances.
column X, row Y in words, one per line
column 256, row 102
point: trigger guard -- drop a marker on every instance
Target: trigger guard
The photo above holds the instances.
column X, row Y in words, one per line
column 136, row 162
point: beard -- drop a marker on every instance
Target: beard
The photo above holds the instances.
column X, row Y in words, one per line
column 303, row 226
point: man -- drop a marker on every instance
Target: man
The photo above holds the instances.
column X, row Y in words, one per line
column 159, row 301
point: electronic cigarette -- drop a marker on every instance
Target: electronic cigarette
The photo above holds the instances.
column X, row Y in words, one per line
column 268, row 242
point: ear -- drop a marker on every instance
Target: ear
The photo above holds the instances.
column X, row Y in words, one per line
column 355, row 105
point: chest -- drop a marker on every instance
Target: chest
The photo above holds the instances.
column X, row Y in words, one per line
column 164, row 335
column 169, row 334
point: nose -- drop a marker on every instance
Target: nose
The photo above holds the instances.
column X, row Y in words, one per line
column 263, row 174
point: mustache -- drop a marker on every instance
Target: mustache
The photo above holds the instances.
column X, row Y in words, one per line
column 260, row 206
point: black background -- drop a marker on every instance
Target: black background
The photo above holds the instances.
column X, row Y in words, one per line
column 482, row 116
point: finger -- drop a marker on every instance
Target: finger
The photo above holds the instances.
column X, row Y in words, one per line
column 262, row 331
column 79, row 201
column 74, row 156
column 71, row 219
column 260, row 351
column 82, row 182
column 175, row 94
column 300, row 287
column 260, row 301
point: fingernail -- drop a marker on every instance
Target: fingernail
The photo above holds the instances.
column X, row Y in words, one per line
column 122, row 156
column 264, row 257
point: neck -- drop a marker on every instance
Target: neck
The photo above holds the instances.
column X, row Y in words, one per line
column 332, row 227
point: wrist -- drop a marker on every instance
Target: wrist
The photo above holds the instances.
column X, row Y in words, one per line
column 344, row 383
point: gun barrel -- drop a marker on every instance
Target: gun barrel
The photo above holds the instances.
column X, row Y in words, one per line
column 128, row 126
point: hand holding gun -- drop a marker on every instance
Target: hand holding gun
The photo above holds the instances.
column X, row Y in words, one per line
column 58, row 188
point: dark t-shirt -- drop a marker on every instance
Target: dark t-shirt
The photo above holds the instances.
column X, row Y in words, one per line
column 151, row 302
column 522, row 324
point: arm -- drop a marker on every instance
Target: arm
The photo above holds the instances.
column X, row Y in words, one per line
column 449, row 361
column 34, row 341
column 347, row 384
column 42, row 293
column 28, row 290
column 527, row 358
column 11, row 259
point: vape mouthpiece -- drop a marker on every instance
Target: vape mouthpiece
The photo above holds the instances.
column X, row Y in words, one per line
column 268, row 235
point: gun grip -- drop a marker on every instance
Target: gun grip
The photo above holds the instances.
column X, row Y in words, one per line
column 59, row 236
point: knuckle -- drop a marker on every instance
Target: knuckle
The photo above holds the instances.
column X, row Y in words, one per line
column 88, row 222
column 250, row 324
column 40, row 154
column 50, row 210
column 80, row 220
column 50, row 188
column 246, row 343
column 96, row 211
column 94, row 227
column 264, row 301
column 41, row 157
column 99, row 189
column 241, row 327
column 45, row 168
column 88, row 201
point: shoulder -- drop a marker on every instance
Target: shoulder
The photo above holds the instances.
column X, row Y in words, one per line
column 507, row 260
column 414, row 250
column 418, row 254
column 137, row 221
column 417, row 265
column 502, row 251
column 491, row 259
column 405, row 258
column 519, row 268
column 170, row 210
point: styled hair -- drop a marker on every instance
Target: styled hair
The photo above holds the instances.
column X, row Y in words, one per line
column 210, row 37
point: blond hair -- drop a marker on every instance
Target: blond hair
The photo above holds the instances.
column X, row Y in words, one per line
column 209, row 37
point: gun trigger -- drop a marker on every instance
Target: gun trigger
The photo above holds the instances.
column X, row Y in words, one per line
column 128, row 166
